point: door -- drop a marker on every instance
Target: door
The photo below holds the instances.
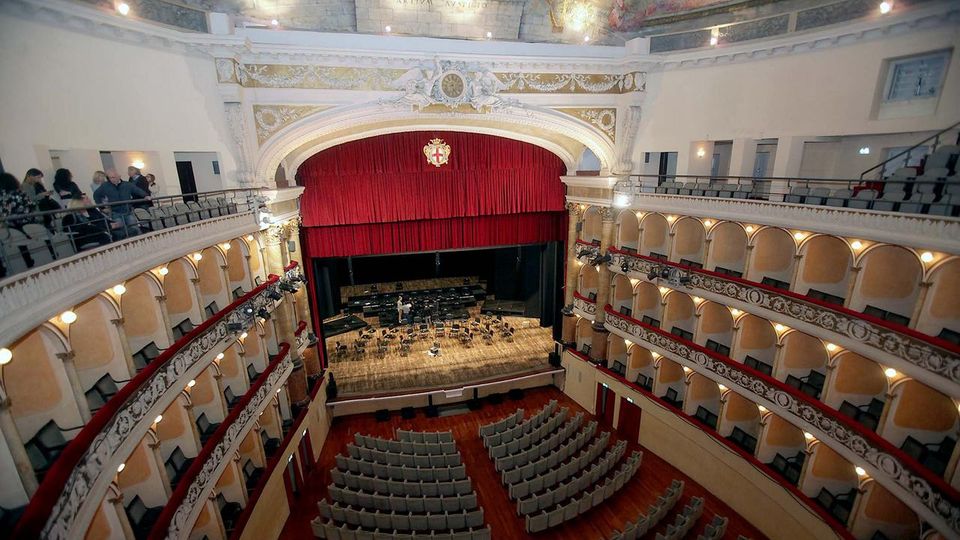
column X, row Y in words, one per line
column 629, row 427
column 760, row 164
column 605, row 404
column 292, row 481
column 305, row 448
column 188, row 183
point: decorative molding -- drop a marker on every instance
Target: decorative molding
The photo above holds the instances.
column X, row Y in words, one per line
column 603, row 118
column 316, row 77
column 451, row 84
column 628, row 134
column 41, row 293
column 272, row 118
column 589, row 251
column 586, row 308
column 928, row 500
column 574, row 83
column 94, row 470
column 938, row 233
column 917, row 358
column 240, row 142
column 200, row 489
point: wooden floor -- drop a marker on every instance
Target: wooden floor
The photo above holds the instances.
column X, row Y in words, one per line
column 499, row 511
column 456, row 365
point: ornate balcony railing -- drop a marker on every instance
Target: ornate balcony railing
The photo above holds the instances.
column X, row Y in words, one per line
column 934, row 361
column 586, row 249
column 926, row 493
column 71, row 492
column 185, row 503
column 586, row 306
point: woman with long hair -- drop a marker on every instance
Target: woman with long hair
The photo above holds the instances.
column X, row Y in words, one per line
column 64, row 185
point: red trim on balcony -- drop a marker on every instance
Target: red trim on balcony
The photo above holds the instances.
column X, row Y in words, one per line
column 762, row 467
column 300, row 328
column 576, row 294
column 588, row 244
column 899, row 328
column 272, row 463
column 38, row 510
column 909, row 462
column 159, row 529
column 291, row 266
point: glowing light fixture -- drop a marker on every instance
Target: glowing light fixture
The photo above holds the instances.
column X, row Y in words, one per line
column 749, row 229
column 831, row 347
column 68, row 317
column 864, row 151
column 249, row 238
column 220, row 356
column 799, row 235
column 735, row 312
column 243, row 335
column 926, row 256
column 701, row 152
column 860, row 471
column 885, row 7
column 197, row 256
column 722, row 387
column 708, row 223
column 192, row 383
column 274, row 22
column 856, row 244
column 158, row 419
column 225, row 246
column 6, row 355
column 304, row 433
column 761, row 408
column 807, row 436
column 671, row 219
column 714, row 40
column 686, row 369
column 489, row 35
column 119, row 289
column 586, row 39
column 138, row 163
column 387, row 29
column 121, row 467
column 890, row 372
column 697, row 299
column 779, row 328
column 664, row 290
column 123, row 8
column 164, row 270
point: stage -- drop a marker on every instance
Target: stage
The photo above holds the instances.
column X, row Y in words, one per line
column 379, row 371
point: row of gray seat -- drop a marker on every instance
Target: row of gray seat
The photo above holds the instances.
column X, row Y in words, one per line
column 544, row 465
column 524, row 441
column 503, row 424
column 170, row 215
column 409, row 460
column 575, row 485
column 331, row 531
column 705, row 189
column 655, row 513
column 685, row 520
column 408, row 503
column 552, row 477
column 424, row 436
column 521, row 428
column 543, row 442
column 715, row 529
column 404, row 447
column 400, row 521
column 580, row 505
column 433, row 488
column 402, row 472
column 922, row 200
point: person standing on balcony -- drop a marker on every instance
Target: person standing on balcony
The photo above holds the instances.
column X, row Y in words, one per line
column 116, row 190
column 99, row 177
column 63, row 184
column 142, row 182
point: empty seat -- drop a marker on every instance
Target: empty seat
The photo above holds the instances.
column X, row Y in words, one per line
column 838, row 197
column 862, row 199
column 796, row 194
column 889, row 201
column 141, row 517
column 817, row 195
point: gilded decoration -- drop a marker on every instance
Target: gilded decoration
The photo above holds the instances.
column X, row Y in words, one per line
column 272, row 118
column 384, row 79
column 604, row 119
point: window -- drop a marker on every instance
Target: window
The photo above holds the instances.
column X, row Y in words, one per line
column 916, row 77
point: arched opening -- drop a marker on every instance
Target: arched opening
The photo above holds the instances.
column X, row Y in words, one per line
column 642, row 369
column 621, row 294
column 782, row 447
column 940, row 314
column 646, row 303
column 98, row 355
column 740, row 422
column 589, row 164
column 214, row 292
column 858, row 389
column 688, row 242
column 183, row 305
column 584, row 335
column 728, row 249
column 238, row 268
column 923, row 423
column 888, row 284
column 143, row 319
column 592, row 229
column 716, row 328
column 703, row 400
column 824, row 269
column 756, row 344
column 617, row 354
column 628, row 231
column 679, row 315
column 670, row 385
column 882, row 512
column 803, row 363
column 654, row 236
column 771, row 261
column 588, row 281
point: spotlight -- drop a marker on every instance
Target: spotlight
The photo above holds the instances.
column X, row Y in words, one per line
column 652, row 275
column 248, row 310
column 665, row 272
column 598, row 260
column 274, row 295
column 234, row 327
column 624, row 267
column 685, row 280
column 124, row 8
column 885, row 7
column 263, row 314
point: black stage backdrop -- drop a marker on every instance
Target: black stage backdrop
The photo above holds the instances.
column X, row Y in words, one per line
column 525, row 273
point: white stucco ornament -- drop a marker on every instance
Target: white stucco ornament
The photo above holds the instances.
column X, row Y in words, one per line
column 454, row 84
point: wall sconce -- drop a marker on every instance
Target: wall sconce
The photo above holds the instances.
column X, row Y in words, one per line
column 138, row 163
column 701, row 152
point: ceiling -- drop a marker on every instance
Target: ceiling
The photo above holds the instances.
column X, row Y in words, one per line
column 610, row 22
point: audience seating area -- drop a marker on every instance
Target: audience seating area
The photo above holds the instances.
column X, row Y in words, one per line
column 715, row 529
column 657, row 511
column 413, row 487
column 545, row 469
column 684, row 521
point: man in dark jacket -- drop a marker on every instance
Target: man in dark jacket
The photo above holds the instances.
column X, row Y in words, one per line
column 116, row 190
column 141, row 181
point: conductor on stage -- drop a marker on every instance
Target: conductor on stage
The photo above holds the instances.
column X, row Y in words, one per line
column 400, row 309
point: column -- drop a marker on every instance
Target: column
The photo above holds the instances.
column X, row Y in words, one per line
column 572, row 267
column 795, row 274
column 284, row 318
column 921, row 300
column 743, row 156
column 167, row 327
column 598, row 350
column 786, row 164
column 852, row 281
column 11, row 435
column 78, row 395
column 127, row 353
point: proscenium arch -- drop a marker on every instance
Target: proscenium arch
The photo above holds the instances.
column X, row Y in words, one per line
column 296, row 143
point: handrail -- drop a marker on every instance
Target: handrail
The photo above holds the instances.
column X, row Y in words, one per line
column 908, row 150
column 576, row 294
column 159, row 529
column 938, row 485
column 820, row 304
column 34, row 519
column 712, row 432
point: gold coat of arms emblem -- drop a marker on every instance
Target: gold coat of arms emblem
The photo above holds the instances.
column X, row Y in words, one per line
column 437, row 152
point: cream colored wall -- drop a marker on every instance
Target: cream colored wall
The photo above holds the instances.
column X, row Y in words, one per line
column 580, row 382
column 68, row 90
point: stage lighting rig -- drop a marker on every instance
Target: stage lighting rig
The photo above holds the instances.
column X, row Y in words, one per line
column 274, row 295
column 287, row 287
column 248, row 310
column 598, row 260
column 624, row 266
column 235, row 327
column 263, row 314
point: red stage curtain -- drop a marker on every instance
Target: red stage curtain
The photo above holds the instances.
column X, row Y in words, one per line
column 387, row 179
column 434, row 234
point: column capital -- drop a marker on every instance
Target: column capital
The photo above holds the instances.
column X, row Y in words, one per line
column 607, row 214
column 160, row 298
column 66, row 356
column 117, row 322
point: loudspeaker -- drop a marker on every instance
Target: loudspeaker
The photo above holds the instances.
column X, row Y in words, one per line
column 554, row 359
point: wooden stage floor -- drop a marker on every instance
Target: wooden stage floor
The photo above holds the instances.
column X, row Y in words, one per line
column 653, row 477
column 457, row 364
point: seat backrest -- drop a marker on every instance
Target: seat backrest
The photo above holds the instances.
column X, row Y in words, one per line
column 868, row 194
column 136, row 510
column 36, row 231
column 50, row 435
column 177, row 459
column 820, row 192
column 203, row 422
column 228, row 393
